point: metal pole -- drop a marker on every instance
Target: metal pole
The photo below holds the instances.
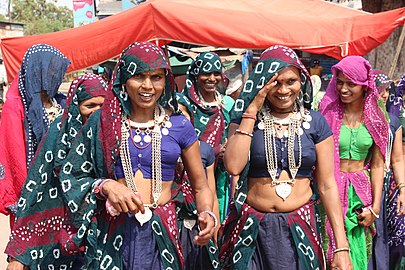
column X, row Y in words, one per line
column 398, row 51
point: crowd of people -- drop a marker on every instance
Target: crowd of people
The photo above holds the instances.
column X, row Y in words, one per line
column 128, row 172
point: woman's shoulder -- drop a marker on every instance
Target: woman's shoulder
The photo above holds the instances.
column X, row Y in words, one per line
column 179, row 120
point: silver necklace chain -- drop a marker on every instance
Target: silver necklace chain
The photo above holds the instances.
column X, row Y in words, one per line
column 270, row 134
column 156, row 156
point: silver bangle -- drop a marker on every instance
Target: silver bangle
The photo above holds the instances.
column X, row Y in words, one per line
column 212, row 215
column 341, row 249
column 372, row 212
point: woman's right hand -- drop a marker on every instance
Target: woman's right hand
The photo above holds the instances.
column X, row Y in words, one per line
column 122, row 198
column 16, row 265
column 259, row 99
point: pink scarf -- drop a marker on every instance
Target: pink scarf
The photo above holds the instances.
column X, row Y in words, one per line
column 359, row 71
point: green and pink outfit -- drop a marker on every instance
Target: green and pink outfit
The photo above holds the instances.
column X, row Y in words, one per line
column 354, row 188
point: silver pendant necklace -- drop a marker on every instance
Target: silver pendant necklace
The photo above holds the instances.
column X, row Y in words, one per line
column 160, row 122
column 283, row 188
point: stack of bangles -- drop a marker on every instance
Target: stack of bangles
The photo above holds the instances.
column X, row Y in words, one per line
column 341, row 249
column 98, row 189
column 400, row 186
column 212, row 215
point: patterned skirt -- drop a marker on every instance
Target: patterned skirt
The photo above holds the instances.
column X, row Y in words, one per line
column 255, row 240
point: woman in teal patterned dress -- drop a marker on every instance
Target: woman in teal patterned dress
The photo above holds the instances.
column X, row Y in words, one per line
column 208, row 110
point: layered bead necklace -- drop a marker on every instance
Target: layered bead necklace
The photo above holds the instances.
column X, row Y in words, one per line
column 219, row 100
column 267, row 123
column 161, row 125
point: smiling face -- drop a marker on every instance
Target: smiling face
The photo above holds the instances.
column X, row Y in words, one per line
column 349, row 91
column 283, row 95
column 89, row 106
column 144, row 89
column 208, row 83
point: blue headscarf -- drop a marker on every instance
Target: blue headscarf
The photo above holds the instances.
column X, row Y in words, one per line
column 43, row 68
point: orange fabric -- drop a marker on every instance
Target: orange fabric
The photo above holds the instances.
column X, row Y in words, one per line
column 12, row 148
column 311, row 25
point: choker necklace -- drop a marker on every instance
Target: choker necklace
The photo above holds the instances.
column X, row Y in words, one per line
column 161, row 123
column 267, row 123
column 143, row 131
column 218, row 100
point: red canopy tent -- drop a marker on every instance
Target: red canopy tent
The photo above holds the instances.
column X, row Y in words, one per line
column 311, row 25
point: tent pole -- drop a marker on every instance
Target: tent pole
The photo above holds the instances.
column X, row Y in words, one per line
column 398, row 51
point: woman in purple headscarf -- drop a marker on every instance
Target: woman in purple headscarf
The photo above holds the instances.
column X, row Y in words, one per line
column 360, row 131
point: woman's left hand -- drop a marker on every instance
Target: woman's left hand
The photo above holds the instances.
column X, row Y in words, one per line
column 401, row 202
column 206, row 223
column 341, row 261
column 366, row 218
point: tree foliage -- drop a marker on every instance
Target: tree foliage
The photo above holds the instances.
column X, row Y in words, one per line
column 41, row 16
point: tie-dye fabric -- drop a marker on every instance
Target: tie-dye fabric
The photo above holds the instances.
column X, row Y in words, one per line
column 94, row 154
column 240, row 248
column 359, row 71
column 210, row 123
column 43, row 68
column 43, row 227
column 272, row 61
column 396, row 97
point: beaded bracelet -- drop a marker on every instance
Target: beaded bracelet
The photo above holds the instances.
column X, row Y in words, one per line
column 341, row 249
column 250, row 116
column 244, row 133
column 372, row 212
column 212, row 215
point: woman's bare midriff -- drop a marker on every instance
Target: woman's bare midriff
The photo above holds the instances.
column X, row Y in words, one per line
column 348, row 165
column 144, row 187
column 262, row 196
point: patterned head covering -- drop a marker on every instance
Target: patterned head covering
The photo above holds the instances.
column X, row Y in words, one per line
column 137, row 58
column 204, row 63
column 84, row 87
column 209, row 122
column 358, row 70
column 43, row 68
column 382, row 81
column 272, row 61
column 41, row 201
column 395, row 99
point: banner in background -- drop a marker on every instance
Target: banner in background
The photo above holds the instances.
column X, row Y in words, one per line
column 127, row 4
column 83, row 12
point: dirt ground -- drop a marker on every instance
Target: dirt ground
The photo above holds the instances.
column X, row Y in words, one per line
column 4, row 232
